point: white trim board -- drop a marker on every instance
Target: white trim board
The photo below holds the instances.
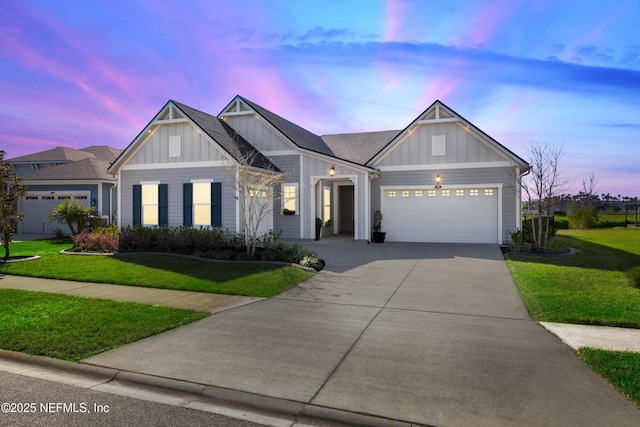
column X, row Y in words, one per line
column 445, row 166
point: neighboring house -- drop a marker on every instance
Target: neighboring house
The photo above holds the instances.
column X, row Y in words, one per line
column 63, row 173
column 441, row 179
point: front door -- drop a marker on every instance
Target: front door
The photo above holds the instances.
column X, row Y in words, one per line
column 346, row 208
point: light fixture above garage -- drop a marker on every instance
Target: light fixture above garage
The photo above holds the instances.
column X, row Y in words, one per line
column 438, row 179
column 332, row 170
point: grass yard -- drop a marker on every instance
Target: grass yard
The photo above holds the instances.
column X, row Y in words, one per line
column 157, row 271
column 621, row 369
column 74, row 328
column 592, row 287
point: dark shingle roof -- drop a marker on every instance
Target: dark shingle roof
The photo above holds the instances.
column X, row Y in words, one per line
column 103, row 152
column 86, row 169
column 229, row 139
column 359, row 147
column 54, row 155
column 298, row 135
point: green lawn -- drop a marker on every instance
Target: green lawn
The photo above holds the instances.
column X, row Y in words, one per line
column 591, row 287
column 74, row 328
column 621, row 369
column 158, row 271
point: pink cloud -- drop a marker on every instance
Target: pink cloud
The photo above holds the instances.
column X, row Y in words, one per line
column 394, row 19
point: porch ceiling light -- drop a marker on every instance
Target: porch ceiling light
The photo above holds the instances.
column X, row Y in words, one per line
column 438, row 179
column 332, row 170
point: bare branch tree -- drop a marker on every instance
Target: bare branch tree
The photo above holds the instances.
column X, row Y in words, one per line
column 543, row 184
column 255, row 188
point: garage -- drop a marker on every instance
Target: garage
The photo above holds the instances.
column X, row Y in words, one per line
column 447, row 215
column 36, row 208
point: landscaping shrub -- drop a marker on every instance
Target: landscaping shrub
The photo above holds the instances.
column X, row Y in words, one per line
column 101, row 239
column 518, row 242
column 583, row 219
column 285, row 251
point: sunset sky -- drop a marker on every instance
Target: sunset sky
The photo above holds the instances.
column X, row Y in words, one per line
column 80, row 73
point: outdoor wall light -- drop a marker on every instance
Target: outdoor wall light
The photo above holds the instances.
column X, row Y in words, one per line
column 332, row 171
column 438, row 181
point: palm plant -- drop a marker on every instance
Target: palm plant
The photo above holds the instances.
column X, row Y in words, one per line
column 74, row 214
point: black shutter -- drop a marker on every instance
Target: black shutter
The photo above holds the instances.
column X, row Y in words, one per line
column 216, row 204
column 163, row 204
column 187, row 204
column 137, row 204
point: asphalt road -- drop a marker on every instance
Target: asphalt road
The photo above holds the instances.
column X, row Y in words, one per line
column 52, row 404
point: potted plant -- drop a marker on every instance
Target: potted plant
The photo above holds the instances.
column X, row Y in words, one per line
column 378, row 236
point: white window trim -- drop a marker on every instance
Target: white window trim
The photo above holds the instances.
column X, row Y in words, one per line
column 297, row 196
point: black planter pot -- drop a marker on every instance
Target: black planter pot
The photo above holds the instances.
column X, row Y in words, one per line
column 378, row 237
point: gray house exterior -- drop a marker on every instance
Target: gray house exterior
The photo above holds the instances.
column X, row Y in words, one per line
column 441, row 179
column 61, row 173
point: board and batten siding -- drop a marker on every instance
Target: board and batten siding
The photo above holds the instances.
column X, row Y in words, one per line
column 257, row 133
column 288, row 225
column 175, row 178
column 462, row 146
column 194, row 146
column 459, row 177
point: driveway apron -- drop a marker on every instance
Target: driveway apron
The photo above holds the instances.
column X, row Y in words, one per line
column 427, row 333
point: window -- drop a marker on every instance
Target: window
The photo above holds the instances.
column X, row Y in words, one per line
column 473, row 193
column 150, row 204
column 438, row 145
column 488, row 192
column 290, row 197
column 64, row 197
column 431, row 193
column 392, row 194
column 202, row 203
column 32, row 197
column 80, row 197
column 446, row 193
column 418, row 193
column 48, row 197
column 326, row 203
column 459, row 193
column 405, row 193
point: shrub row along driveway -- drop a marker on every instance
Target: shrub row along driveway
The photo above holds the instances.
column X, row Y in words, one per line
column 427, row 333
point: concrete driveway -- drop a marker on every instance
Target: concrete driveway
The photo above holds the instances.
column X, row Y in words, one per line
column 427, row 333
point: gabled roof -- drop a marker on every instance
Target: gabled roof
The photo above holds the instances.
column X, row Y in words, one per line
column 231, row 141
column 450, row 115
column 81, row 170
column 220, row 132
column 358, row 147
column 54, row 155
column 296, row 134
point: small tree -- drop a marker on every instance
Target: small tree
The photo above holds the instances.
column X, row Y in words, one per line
column 542, row 186
column 11, row 191
column 74, row 214
column 255, row 186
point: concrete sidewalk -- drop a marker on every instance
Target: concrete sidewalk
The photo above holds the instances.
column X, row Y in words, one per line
column 200, row 301
column 388, row 334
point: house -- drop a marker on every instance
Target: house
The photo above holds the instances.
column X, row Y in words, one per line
column 63, row 173
column 440, row 179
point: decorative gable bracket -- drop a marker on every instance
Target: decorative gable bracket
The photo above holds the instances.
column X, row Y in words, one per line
column 236, row 108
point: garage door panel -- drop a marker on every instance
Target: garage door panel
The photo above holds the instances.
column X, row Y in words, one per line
column 36, row 210
column 445, row 215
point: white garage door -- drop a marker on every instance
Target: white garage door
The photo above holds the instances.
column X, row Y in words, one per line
column 456, row 215
column 36, row 208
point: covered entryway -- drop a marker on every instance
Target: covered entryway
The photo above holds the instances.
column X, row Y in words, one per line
column 36, row 207
column 447, row 215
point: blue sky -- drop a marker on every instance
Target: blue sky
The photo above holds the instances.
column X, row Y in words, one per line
column 562, row 72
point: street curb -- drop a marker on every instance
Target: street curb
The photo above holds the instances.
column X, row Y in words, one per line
column 293, row 411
